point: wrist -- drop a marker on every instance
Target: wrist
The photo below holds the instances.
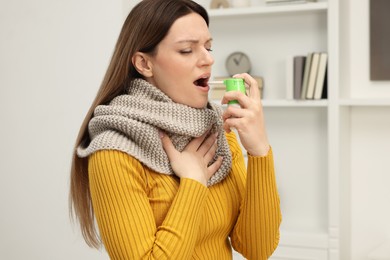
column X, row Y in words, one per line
column 261, row 150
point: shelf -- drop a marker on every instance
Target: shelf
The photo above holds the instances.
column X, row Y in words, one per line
column 288, row 103
column 294, row 103
column 273, row 9
column 364, row 102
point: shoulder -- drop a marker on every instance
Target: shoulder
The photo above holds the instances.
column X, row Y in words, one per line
column 111, row 157
column 115, row 163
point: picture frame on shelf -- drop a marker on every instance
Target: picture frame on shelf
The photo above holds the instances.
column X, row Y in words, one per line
column 379, row 40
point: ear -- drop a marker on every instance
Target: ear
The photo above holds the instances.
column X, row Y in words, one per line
column 142, row 64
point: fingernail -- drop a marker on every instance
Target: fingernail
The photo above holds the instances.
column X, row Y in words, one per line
column 161, row 134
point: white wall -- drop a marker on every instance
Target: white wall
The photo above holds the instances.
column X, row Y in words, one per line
column 370, row 179
column 369, row 136
column 53, row 55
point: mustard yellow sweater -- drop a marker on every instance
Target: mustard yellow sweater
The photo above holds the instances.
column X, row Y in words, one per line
column 145, row 215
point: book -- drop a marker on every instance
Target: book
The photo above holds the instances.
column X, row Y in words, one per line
column 298, row 70
column 321, row 72
column 290, row 77
column 306, row 75
column 217, row 91
column 324, row 94
column 311, row 81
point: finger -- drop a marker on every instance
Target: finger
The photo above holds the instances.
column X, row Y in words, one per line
column 233, row 122
column 226, row 128
column 213, row 168
column 233, row 111
column 207, row 144
column 251, row 83
column 169, row 148
column 234, row 95
column 194, row 144
column 208, row 157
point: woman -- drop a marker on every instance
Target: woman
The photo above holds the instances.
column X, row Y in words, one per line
column 152, row 163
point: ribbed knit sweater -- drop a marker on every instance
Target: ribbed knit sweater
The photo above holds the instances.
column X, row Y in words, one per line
column 142, row 214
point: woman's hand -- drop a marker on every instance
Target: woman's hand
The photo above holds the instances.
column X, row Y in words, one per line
column 249, row 119
column 193, row 160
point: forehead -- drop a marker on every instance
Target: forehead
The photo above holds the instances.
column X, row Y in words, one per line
column 191, row 26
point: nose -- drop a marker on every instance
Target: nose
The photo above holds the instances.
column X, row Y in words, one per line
column 206, row 58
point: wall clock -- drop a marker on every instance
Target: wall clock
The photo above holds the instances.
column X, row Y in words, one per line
column 238, row 62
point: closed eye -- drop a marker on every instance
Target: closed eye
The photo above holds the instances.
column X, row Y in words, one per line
column 185, row 51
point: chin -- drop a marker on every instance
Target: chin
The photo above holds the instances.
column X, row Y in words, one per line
column 201, row 105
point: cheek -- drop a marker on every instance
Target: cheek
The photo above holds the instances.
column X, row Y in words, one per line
column 172, row 69
column 166, row 68
column 176, row 66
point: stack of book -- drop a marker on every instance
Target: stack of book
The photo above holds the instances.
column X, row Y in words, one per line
column 307, row 76
column 288, row 1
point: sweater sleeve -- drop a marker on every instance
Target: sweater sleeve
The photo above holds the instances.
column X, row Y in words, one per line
column 125, row 218
column 256, row 232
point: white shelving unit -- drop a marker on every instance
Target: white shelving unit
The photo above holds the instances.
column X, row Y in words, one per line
column 304, row 133
column 364, row 102
column 263, row 9
column 294, row 103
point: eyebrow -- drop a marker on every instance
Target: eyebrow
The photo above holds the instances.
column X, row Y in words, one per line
column 193, row 41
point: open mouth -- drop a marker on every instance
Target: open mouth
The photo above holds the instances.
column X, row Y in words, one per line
column 201, row 82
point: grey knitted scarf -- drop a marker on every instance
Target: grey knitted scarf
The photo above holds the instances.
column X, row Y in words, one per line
column 130, row 123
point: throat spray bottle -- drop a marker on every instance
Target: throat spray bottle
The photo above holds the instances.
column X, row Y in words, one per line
column 234, row 84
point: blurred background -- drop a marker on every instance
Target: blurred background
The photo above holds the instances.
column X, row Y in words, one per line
column 53, row 56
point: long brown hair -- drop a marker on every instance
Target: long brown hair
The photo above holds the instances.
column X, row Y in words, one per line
column 145, row 27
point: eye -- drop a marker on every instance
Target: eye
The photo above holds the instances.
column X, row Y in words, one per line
column 186, row 51
column 207, row 45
